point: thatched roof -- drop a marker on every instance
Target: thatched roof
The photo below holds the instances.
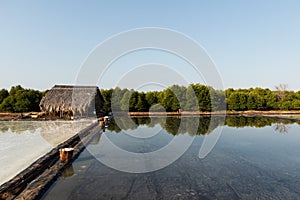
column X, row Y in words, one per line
column 72, row 100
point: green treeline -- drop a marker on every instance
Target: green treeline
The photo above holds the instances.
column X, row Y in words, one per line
column 19, row 99
column 262, row 99
column 192, row 98
column 195, row 97
column 198, row 97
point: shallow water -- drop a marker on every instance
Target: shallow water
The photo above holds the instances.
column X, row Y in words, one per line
column 23, row 142
column 254, row 158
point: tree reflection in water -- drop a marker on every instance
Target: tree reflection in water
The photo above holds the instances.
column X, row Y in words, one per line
column 19, row 127
column 281, row 128
column 182, row 125
column 173, row 125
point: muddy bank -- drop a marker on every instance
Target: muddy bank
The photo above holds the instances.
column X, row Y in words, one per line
column 187, row 113
column 26, row 116
column 9, row 116
column 43, row 116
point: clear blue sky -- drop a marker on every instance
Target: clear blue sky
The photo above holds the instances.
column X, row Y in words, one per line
column 254, row 43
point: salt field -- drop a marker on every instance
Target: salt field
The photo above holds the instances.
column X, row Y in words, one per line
column 23, row 142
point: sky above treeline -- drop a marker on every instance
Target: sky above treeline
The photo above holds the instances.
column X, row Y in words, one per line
column 252, row 43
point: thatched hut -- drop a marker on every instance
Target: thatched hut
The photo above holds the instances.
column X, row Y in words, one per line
column 72, row 101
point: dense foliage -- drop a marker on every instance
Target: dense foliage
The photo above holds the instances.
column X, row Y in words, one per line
column 198, row 97
column 262, row 99
column 19, row 99
column 195, row 97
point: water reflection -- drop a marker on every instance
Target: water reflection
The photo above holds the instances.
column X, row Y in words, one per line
column 173, row 125
column 248, row 162
column 258, row 122
column 54, row 132
column 281, row 128
column 170, row 124
column 18, row 127
column 95, row 140
column 69, row 171
column 205, row 124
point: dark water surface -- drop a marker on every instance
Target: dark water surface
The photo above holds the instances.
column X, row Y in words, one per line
column 254, row 158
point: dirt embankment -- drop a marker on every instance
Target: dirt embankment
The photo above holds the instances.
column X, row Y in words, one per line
column 26, row 116
column 9, row 116
column 249, row 112
column 43, row 116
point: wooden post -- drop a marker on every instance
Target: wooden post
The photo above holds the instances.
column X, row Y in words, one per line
column 101, row 123
column 105, row 119
column 66, row 154
column 179, row 111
